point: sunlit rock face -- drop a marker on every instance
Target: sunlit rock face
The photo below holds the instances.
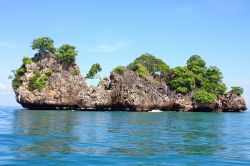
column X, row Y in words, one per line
column 66, row 89
column 129, row 91
column 61, row 90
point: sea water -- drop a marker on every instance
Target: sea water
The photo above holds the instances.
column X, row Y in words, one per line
column 36, row 137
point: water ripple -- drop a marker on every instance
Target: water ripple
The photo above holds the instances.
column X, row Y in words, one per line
column 123, row 138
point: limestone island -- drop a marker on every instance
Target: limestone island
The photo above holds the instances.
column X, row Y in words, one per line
column 52, row 80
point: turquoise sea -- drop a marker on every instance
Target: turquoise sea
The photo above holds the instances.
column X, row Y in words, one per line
column 29, row 137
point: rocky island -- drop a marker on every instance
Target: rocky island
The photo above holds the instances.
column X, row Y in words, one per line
column 52, row 80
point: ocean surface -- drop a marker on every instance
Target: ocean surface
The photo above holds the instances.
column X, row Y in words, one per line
column 29, row 137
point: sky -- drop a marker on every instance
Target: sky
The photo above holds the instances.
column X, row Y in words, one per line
column 115, row 32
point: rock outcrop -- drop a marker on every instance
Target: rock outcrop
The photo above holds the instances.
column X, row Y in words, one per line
column 96, row 97
column 66, row 89
column 61, row 91
column 128, row 91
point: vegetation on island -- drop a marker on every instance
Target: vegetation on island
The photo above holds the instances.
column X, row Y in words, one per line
column 140, row 70
column 182, row 80
column 27, row 60
column 154, row 66
column 204, row 97
column 204, row 83
column 93, row 72
column 38, row 80
column 119, row 69
column 44, row 45
column 66, row 54
column 237, row 90
column 17, row 74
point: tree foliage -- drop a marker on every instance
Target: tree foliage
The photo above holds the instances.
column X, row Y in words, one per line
column 153, row 65
column 48, row 72
column 27, row 60
column 213, row 74
column 204, row 97
column 43, row 45
column 237, row 90
column 182, row 80
column 93, row 72
column 213, row 81
column 66, row 54
column 16, row 82
column 198, row 66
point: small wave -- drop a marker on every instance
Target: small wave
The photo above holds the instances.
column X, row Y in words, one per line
column 155, row 111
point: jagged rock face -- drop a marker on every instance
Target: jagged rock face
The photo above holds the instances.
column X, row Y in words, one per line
column 231, row 103
column 96, row 97
column 62, row 87
column 182, row 102
column 225, row 103
column 128, row 91
column 66, row 89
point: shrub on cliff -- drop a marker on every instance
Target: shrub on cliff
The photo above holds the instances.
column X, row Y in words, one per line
column 237, row 90
column 154, row 66
column 38, row 81
column 204, row 97
column 16, row 78
column 43, row 45
column 48, row 72
column 93, row 72
column 140, row 70
column 16, row 82
column 27, row 60
column 182, row 80
column 119, row 69
column 66, row 54
column 198, row 66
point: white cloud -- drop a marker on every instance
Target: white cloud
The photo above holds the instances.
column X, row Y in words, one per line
column 111, row 47
column 6, row 45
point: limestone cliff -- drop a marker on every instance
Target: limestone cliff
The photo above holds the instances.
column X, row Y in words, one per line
column 66, row 89
column 62, row 86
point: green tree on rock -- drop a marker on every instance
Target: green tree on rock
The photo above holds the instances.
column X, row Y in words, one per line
column 93, row 72
column 204, row 97
column 66, row 54
column 198, row 66
column 213, row 81
column 182, row 80
column 154, row 66
column 44, row 45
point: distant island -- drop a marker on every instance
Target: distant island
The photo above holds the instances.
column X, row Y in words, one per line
column 51, row 79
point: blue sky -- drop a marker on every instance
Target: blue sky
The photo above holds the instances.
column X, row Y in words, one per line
column 114, row 32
